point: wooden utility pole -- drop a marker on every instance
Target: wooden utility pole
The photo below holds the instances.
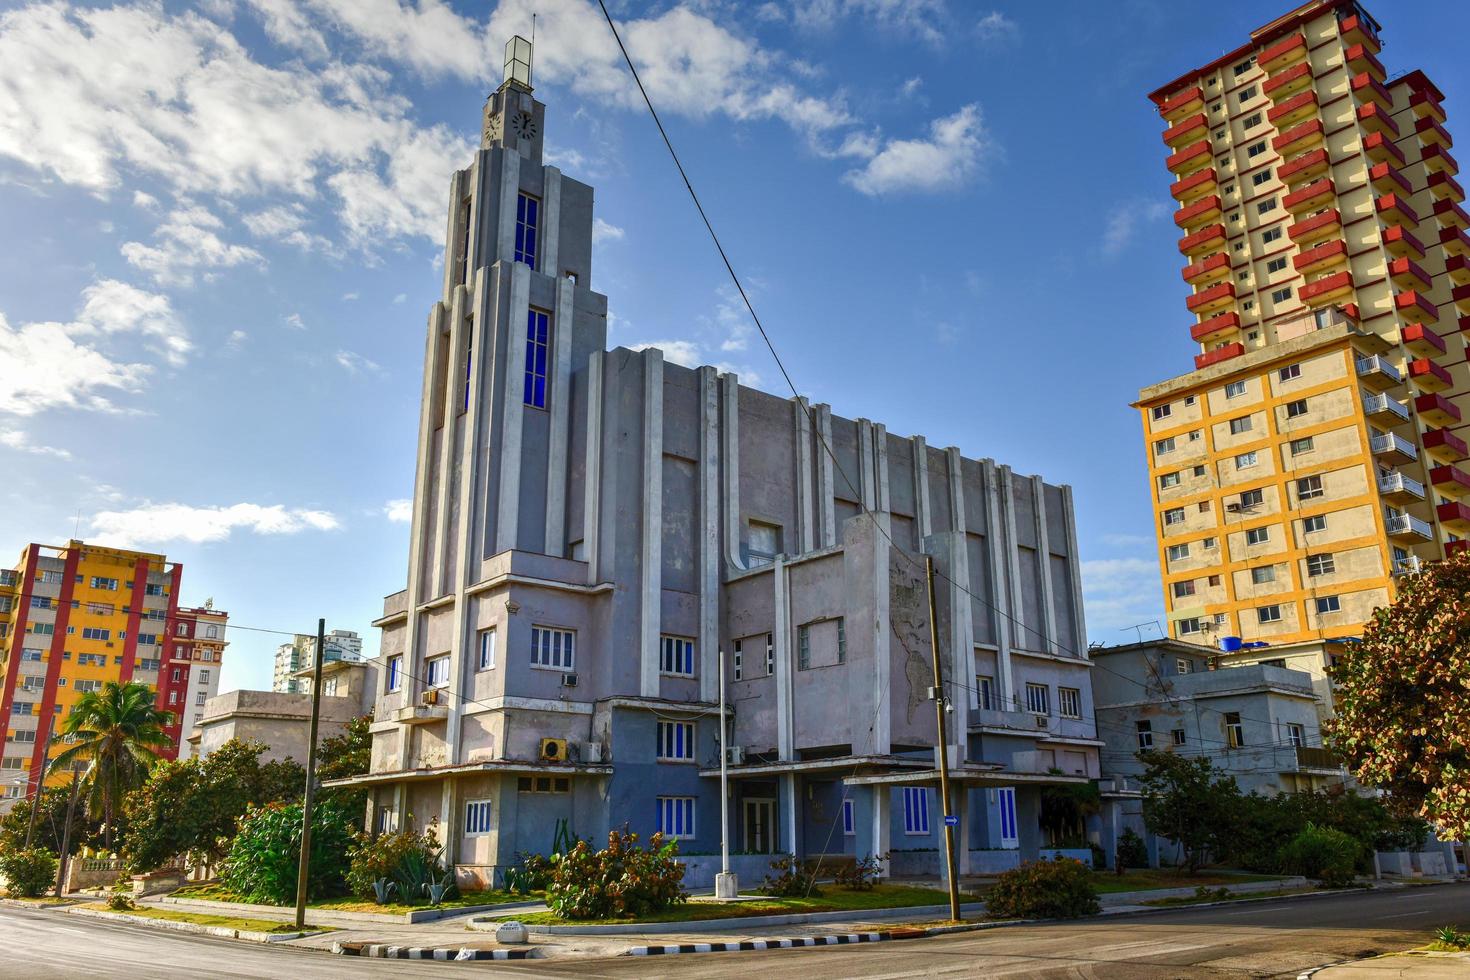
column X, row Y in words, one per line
column 943, row 729
column 71, row 814
column 316, row 711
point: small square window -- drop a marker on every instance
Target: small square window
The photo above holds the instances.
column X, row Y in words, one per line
column 1184, row 589
column 1168, row 480
column 477, row 817
column 1320, row 565
column 1309, row 487
column 1317, row 522
column 1245, row 460
column 1234, row 388
column 1261, row 177
column 1161, row 412
column 1275, row 265
column 1271, row 234
column 1145, row 730
column 1242, row 424
column 1252, row 121
column 1268, row 614
column 1263, row 575
column 1296, row 409
column 1256, row 149
column 1299, row 446
column 1281, row 295
column 1177, row 735
column 1290, row 373
column 1174, row 515
column 1328, row 604
column 1178, row 552
column 1199, row 471
column 1268, row 205
column 1258, row 535
column 1189, row 626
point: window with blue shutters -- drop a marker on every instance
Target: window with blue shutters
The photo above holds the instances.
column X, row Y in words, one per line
column 915, row 810
column 538, row 331
column 477, row 817
column 676, row 816
column 849, row 824
column 528, row 215
column 676, row 655
column 676, row 741
column 553, row 648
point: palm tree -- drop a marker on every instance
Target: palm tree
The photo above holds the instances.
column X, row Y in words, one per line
column 119, row 733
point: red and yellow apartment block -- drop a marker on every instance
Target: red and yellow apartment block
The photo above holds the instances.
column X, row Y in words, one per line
column 1318, row 449
column 76, row 616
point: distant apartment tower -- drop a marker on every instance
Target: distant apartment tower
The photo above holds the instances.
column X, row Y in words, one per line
column 297, row 655
column 76, row 616
column 1316, row 450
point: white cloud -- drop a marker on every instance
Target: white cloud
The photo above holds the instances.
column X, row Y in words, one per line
column 355, row 364
column 142, row 199
column 1124, row 221
column 922, row 19
column 236, row 340
column 996, row 27
column 287, row 223
column 399, row 511
column 683, row 352
column 294, row 321
column 1120, row 592
column 349, row 297
column 160, row 523
column 603, row 231
column 400, row 298
column 21, row 442
column 113, row 307
column 910, row 87
column 188, row 241
column 953, row 151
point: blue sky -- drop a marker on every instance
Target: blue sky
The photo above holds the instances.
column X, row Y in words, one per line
column 221, row 227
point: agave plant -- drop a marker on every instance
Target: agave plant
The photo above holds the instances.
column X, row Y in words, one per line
column 383, row 889
column 436, row 890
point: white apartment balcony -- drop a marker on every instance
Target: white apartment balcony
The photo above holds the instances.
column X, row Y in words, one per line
column 1377, row 372
column 1407, row 566
column 1407, row 527
column 1393, row 449
column 1384, row 408
column 1397, row 487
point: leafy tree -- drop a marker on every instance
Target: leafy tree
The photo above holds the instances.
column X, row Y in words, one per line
column 1185, row 802
column 120, row 734
column 266, row 853
column 193, row 806
column 348, row 754
column 50, row 823
column 1402, row 706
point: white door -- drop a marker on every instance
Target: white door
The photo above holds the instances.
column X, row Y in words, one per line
column 1006, row 800
column 760, row 826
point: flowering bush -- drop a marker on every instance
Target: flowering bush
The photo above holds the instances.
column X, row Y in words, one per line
column 1058, row 889
column 621, row 881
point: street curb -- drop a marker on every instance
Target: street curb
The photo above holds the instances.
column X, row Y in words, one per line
column 16, row 903
column 449, row 953
column 752, row 945
column 245, row 935
column 738, row 924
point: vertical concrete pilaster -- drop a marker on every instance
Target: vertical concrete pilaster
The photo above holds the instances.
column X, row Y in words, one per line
column 790, row 807
column 650, row 615
column 560, row 405
column 550, row 222
column 962, row 621
column 921, row 487
column 881, row 806
column 709, row 533
column 998, row 542
column 825, row 490
column 510, row 190
column 867, row 491
column 507, row 519
column 882, row 648
column 1074, row 574
column 449, row 446
column 806, row 517
column 422, row 487
column 592, row 488
column 880, row 477
column 780, row 640
column 730, row 457
column 1017, row 624
column 1048, row 622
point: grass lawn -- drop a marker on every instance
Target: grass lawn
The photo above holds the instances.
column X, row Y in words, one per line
column 223, row 921
column 350, row 903
column 832, row 899
column 1232, row 897
column 1106, row 882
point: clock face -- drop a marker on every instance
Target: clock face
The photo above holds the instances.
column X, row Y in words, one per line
column 523, row 124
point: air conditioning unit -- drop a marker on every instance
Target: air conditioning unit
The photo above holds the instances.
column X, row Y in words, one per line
column 737, row 755
column 568, row 680
column 553, row 750
column 1232, row 508
column 589, row 752
column 430, row 697
column 1041, row 721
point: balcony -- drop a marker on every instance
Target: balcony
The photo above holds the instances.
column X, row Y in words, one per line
column 1414, row 306
column 1215, row 327
column 1407, row 527
column 1313, row 197
column 1298, row 139
column 421, row 714
column 1392, row 449
column 1360, row 59
column 1209, row 239
column 1327, row 289
column 1436, row 409
column 1426, row 106
column 1303, row 168
column 1370, row 91
column 1190, row 159
column 1187, row 131
column 1400, row 242
column 1283, row 53
column 1460, row 296
column 1381, row 149
column 1454, row 515
column 1195, row 186
column 1316, row 228
column 1298, row 108
column 1421, row 341
column 1285, row 84
column 1355, row 30
column 1213, row 299
column 1320, row 258
column 1191, row 216
column 1207, row 270
column 1432, row 133
column 1407, row 274
column 1428, row 375
column 1407, row 566
column 1437, row 159
column 1378, row 373
column 1445, row 446
column 1457, row 267
column 1450, row 480
column 1393, row 209
column 1386, row 179
column 1217, row 355
column 1451, row 215
column 1313, row 758
column 1382, row 408
column 1445, row 188
column 1178, row 106
column 1376, row 119
column 1398, row 488
column 1455, row 241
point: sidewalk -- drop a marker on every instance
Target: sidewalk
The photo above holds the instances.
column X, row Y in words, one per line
column 1417, row 966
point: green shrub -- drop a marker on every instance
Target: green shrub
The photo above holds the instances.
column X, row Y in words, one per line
column 534, row 874
column 1328, row 855
column 862, row 875
column 621, row 881
column 1058, row 889
column 793, row 878
column 121, row 899
column 28, row 872
column 1132, row 850
column 263, row 860
column 406, row 859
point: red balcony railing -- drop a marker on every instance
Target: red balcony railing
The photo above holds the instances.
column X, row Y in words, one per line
column 1285, row 52
column 1191, row 158
column 1460, row 296
column 1454, row 241
column 1436, row 409
column 1436, row 158
column 1321, row 257
column 1215, row 326
column 1360, row 58
column 1445, row 187
column 1316, row 227
column 1387, row 179
column 1311, row 197
column 1374, row 118
column 1422, row 341
column 1304, row 167
column 1217, row 355
column 1187, row 101
column 1453, row 514
column 1445, row 444
column 1192, row 215
column 1191, row 187
column 1380, row 148
column 1215, row 266
column 1326, row 289
column 1415, row 306
column 1400, row 242
column 1187, row 130
column 1356, row 30
column 1449, row 478
column 1214, row 298
column 1453, row 548
column 1451, row 215
column 1393, row 208
column 1432, row 133
column 1457, row 267
column 1293, row 110
column 1298, row 138
column 1369, row 89
column 1428, row 375
column 1426, row 106
column 1407, row 274
column 1287, row 83
column 1205, row 240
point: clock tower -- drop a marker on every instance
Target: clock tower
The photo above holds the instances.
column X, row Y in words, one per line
column 513, row 119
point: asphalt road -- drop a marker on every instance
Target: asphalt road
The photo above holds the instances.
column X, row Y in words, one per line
column 1261, row 939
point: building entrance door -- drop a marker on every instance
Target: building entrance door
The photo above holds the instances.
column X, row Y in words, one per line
column 760, row 825
column 1006, row 801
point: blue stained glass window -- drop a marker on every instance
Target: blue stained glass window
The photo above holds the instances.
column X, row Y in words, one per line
column 528, row 213
column 538, row 330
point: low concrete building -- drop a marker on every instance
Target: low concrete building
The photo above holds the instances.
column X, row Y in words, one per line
column 1257, row 722
column 282, row 721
